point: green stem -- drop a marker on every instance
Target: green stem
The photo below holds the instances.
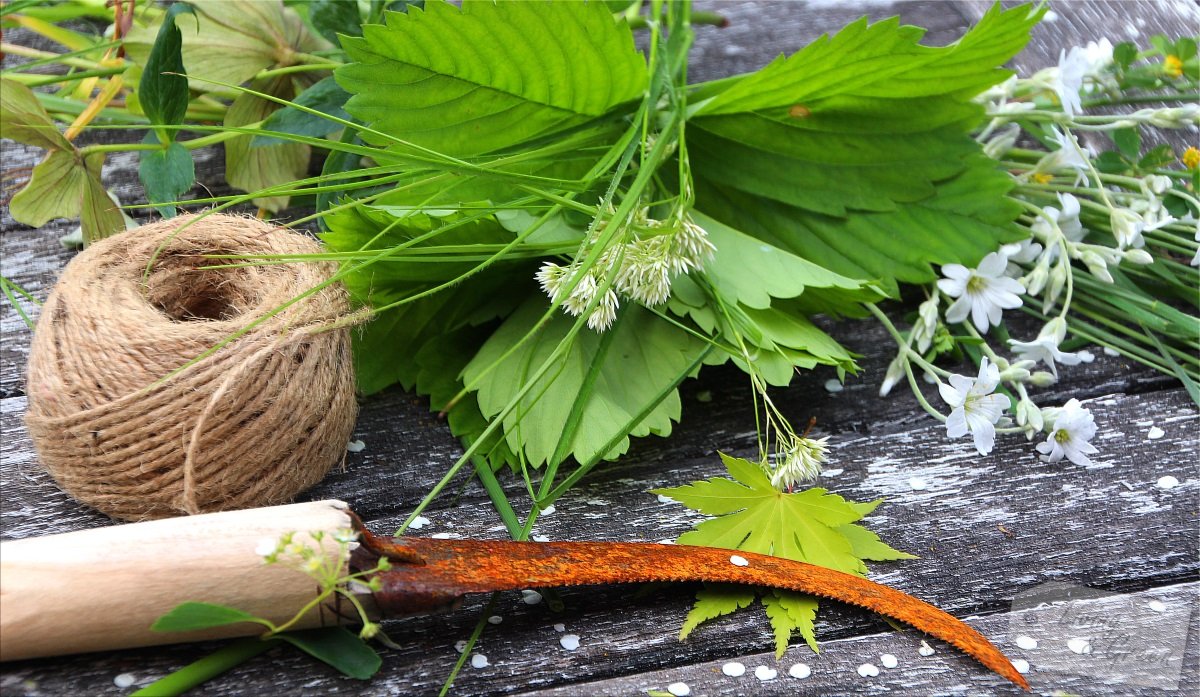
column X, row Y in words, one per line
column 712, row 19
column 301, row 68
column 32, row 80
column 193, row 144
column 1143, row 99
column 207, row 668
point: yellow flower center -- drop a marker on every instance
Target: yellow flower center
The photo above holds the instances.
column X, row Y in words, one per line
column 1191, row 158
column 1173, row 66
column 1043, row 178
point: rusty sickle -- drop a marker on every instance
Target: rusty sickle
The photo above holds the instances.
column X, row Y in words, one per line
column 432, row 574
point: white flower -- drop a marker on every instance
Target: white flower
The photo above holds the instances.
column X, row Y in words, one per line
column 605, row 312
column 1068, row 155
column 798, row 461
column 1077, row 66
column 1127, row 227
column 1196, row 258
column 983, row 292
column 1045, row 347
column 974, row 408
column 1073, row 428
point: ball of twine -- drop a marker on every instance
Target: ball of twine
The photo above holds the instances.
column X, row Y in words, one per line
column 126, row 420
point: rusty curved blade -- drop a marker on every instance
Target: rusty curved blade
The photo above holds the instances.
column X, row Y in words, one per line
column 433, row 573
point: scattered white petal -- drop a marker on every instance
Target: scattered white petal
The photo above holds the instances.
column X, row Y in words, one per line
column 800, row 671
column 926, row 649
column 419, row 522
column 665, row 499
column 1155, row 433
column 1167, row 482
column 738, row 561
column 124, row 680
column 918, row 484
column 1050, row 16
column 868, row 670
column 734, row 669
column 832, row 472
column 444, row 535
column 560, row 627
column 356, row 446
column 765, row 673
column 596, row 502
column 495, row 619
column 540, row 538
column 1157, row 606
column 1079, row 646
column 833, row 385
column 266, row 546
column 1021, row 665
column 667, row 541
column 479, row 661
column 679, row 689
column 460, row 645
column 1026, row 642
column 531, row 597
column 569, row 642
column 889, row 661
column 1110, row 351
column 548, row 510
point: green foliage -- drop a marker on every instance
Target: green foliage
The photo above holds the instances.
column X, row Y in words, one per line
column 812, row 526
column 490, row 75
column 24, row 119
column 163, row 89
column 166, row 174
column 338, row 648
column 324, row 96
column 254, row 168
column 191, row 616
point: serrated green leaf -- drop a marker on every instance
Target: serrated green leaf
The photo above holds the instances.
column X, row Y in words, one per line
column 867, row 545
column 1128, row 141
column 163, row 97
column 337, row 647
column 628, row 368
column 325, row 96
column 231, row 40
column 251, row 169
column 714, row 600
column 490, row 75
column 23, row 119
column 187, row 617
column 166, row 174
column 789, row 612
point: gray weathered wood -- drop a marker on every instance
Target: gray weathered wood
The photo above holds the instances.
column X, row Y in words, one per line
column 986, row 529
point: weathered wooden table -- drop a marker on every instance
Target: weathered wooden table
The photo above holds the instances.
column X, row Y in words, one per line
column 987, row 529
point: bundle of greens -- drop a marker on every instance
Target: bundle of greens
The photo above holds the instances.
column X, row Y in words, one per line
column 550, row 230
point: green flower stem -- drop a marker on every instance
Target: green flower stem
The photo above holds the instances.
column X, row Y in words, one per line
column 1098, row 336
column 1143, row 99
column 496, row 493
column 194, row 144
column 207, row 668
column 61, row 58
column 910, row 355
column 300, row 68
column 32, row 80
column 481, row 625
column 712, row 19
column 1096, row 316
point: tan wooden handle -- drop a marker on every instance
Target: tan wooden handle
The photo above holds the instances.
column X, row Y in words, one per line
column 102, row 588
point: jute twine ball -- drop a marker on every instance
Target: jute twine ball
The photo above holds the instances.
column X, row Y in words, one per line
column 122, row 421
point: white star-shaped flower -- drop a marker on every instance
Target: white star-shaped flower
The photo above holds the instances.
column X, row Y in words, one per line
column 983, row 292
column 1073, row 428
column 1076, row 66
column 974, row 409
column 1045, row 347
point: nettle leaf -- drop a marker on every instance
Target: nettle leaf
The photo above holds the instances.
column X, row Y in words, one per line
column 251, row 169
column 232, row 40
column 490, row 75
column 811, row 526
column 164, row 97
column 166, row 174
column 324, row 96
column 187, row 617
column 610, row 379
column 337, row 647
column 855, row 150
column 23, row 119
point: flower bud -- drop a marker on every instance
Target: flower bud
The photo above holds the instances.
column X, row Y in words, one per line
column 369, row 630
column 1138, row 256
column 1096, row 265
column 1014, row 374
column 894, row 374
column 1176, row 117
column 1058, row 278
column 1035, row 280
column 1158, row 183
column 1028, row 414
column 1002, row 142
column 1042, row 379
column 1127, row 227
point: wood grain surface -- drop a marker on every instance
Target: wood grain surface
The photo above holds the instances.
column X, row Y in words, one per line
column 986, row 529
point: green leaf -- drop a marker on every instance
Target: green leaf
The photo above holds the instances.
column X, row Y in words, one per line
column 166, row 174
column 1111, row 162
column 231, row 40
column 802, row 526
column 789, row 612
column 324, row 96
column 187, row 617
column 1128, row 141
column 1159, row 156
column 251, row 169
column 609, row 378
column 867, row 545
column 714, row 600
column 54, row 190
column 164, row 98
column 339, row 648
column 1124, row 54
column 23, row 119
column 490, row 75
column 100, row 214
column 333, row 17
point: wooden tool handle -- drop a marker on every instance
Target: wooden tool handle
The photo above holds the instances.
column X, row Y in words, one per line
column 102, row 588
